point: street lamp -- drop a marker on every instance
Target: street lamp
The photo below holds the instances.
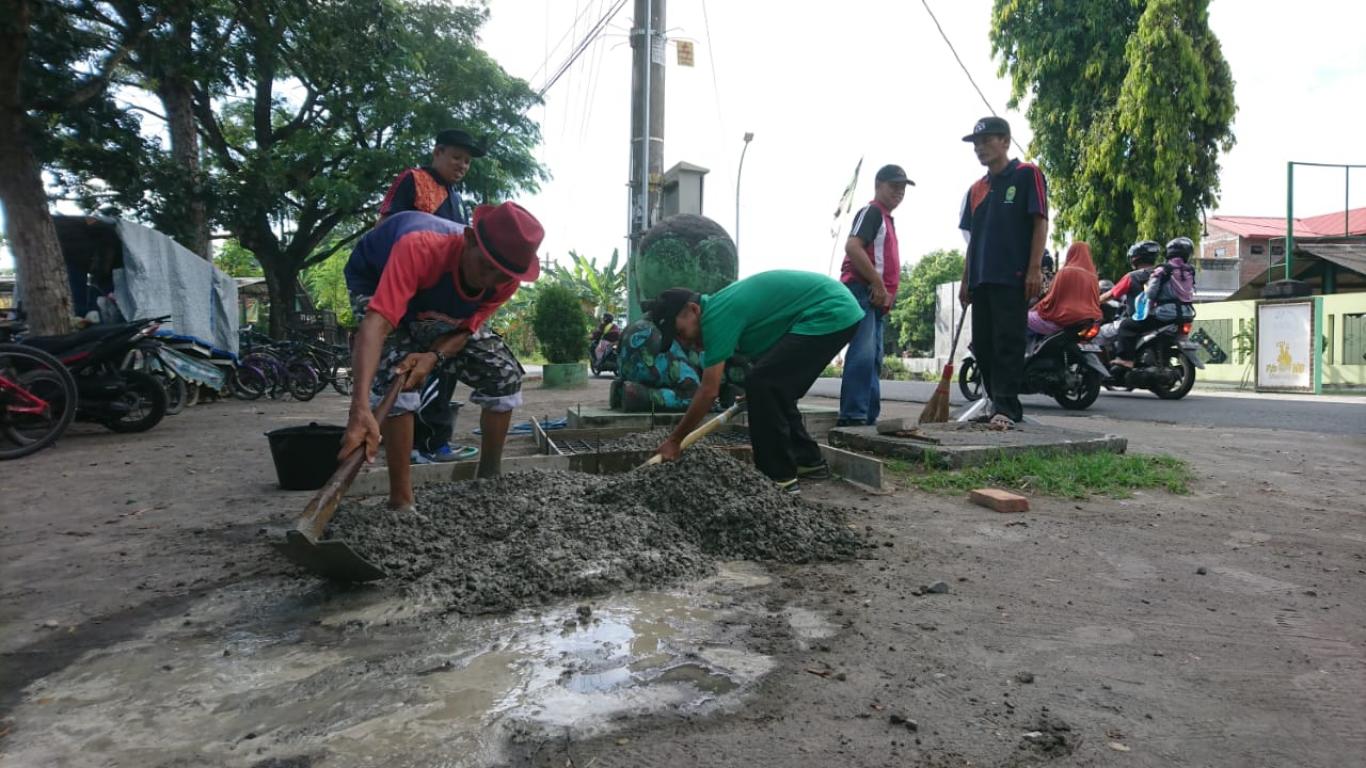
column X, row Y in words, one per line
column 749, row 136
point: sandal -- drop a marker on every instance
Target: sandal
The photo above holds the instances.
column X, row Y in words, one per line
column 1000, row 422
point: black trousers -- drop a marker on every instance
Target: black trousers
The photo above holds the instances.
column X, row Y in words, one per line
column 999, row 319
column 1126, row 335
column 773, row 386
column 434, row 424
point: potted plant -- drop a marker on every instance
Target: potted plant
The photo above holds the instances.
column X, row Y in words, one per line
column 561, row 328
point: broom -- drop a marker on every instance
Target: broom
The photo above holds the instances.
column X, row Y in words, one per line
column 937, row 409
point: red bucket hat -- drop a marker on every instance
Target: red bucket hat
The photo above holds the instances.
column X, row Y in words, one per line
column 509, row 235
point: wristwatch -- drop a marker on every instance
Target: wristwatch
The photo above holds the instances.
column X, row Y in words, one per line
column 440, row 360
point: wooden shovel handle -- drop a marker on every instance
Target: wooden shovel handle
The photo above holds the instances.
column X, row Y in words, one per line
column 324, row 503
column 702, row 431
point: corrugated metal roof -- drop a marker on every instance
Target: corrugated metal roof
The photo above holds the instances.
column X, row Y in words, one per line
column 1324, row 225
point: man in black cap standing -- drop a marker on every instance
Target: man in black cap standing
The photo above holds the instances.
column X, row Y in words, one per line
column 872, row 272
column 436, row 189
column 1005, row 218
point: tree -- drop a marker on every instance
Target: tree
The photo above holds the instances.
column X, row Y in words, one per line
column 236, row 261
column 326, row 284
column 1174, row 117
column 912, row 317
column 600, row 289
column 55, row 64
column 1111, row 139
column 306, row 112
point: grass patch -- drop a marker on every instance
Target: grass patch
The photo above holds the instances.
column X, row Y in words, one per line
column 1074, row 476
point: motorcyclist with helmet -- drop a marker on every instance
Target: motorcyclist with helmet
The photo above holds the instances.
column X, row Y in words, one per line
column 1167, row 290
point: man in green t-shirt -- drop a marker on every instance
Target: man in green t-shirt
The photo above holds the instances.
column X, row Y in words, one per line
column 791, row 325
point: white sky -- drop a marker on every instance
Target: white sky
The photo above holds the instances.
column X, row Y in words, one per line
column 873, row 79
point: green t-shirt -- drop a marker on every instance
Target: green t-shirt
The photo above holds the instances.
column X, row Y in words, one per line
column 749, row 316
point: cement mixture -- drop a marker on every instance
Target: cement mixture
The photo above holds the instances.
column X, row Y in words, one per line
column 527, row 538
column 644, row 441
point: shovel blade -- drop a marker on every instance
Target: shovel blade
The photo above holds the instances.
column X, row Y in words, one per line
column 330, row 558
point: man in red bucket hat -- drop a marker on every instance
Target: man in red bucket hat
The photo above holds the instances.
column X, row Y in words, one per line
column 425, row 286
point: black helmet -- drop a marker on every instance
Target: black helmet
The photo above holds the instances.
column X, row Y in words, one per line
column 607, row 317
column 1180, row 248
column 1144, row 252
column 1046, row 264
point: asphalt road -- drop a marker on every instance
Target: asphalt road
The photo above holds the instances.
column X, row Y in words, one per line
column 1343, row 415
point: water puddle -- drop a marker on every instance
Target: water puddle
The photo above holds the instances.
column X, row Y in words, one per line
column 362, row 682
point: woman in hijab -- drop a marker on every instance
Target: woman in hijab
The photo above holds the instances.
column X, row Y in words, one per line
column 1072, row 299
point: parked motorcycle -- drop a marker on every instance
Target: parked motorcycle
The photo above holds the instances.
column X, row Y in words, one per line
column 1065, row 366
column 1164, row 363
column 608, row 362
column 121, row 400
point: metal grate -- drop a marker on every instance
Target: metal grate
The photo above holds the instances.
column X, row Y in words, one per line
column 578, row 447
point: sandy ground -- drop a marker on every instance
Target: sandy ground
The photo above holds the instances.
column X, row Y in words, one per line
column 1223, row 628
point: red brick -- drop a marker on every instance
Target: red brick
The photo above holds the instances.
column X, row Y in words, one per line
column 1001, row 501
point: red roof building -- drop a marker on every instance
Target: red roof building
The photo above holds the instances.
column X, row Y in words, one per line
column 1239, row 248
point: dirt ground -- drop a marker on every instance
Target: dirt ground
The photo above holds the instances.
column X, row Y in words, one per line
column 1223, row 628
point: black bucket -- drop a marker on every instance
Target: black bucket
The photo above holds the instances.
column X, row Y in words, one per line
column 305, row 457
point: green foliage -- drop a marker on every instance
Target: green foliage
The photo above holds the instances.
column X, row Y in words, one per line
column 1074, row 476
column 326, row 284
column 512, row 321
column 236, row 261
column 601, row 289
column 1130, row 103
column 832, row 372
column 560, row 324
column 306, row 110
column 912, row 317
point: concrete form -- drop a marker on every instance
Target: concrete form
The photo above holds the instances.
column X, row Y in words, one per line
column 954, row 445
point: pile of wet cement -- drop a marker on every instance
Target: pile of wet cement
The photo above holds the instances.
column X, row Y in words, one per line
column 530, row 537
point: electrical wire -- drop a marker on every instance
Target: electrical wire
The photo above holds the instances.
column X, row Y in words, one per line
column 711, row 58
column 964, row 67
column 573, row 27
column 582, row 46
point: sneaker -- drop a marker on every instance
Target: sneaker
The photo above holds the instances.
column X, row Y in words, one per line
column 820, row 471
column 448, row 453
column 418, row 457
column 789, row 486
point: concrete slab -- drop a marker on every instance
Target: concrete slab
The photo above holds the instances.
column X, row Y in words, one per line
column 955, row 445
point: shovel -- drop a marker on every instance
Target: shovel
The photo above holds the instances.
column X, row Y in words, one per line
column 706, row 429
column 332, row 558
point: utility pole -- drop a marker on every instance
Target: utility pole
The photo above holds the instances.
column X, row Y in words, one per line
column 647, row 133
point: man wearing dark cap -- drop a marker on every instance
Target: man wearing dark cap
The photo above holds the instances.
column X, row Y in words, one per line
column 436, row 189
column 790, row 324
column 872, row 271
column 1005, row 220
column 425, row 286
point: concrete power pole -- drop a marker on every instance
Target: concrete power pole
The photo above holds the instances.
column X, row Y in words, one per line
column 647, row 133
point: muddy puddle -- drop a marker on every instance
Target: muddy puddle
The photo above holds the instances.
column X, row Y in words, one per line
column 246, row 678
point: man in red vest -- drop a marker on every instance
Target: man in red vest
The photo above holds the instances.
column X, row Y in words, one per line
column 436, row 189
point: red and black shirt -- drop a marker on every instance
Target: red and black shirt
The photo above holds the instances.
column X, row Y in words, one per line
column 999, row 213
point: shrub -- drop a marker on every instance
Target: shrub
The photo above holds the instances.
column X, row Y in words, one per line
column 560, row 324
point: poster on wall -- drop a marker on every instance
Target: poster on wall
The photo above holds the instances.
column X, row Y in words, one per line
column 1285, row 346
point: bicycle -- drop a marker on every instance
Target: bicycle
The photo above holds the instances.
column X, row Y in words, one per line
column 37, row 400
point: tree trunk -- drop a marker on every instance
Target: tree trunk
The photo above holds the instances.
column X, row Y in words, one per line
column 177, row 99
column 32, row 236
column 283, row 287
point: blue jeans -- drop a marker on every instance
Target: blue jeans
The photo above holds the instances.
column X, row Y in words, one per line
column 860, row 390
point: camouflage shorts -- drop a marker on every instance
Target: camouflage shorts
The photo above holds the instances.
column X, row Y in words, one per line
column 486, row 364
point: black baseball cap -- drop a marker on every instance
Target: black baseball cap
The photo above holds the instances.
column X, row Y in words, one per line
column 454, row 137
column 989, row 126
column 893, row 173
column 664, row 308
